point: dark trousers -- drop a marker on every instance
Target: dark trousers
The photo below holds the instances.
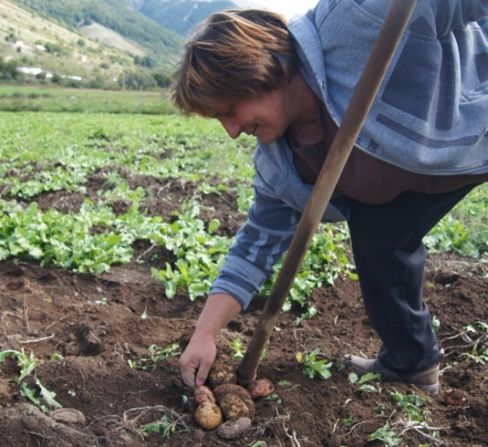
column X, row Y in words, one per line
column 390, row 259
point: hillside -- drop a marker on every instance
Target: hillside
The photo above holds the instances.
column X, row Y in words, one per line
column 161, row 44
column 180, row 15
column 34, row 42
column 100, row 33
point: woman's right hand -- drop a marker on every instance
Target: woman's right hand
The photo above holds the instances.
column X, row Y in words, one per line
column 197, row 359
column 199, row 355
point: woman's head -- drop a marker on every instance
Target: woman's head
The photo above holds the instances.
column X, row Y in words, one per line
column 234, row 55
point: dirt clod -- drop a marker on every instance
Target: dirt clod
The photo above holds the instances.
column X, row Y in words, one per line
column 234, row 429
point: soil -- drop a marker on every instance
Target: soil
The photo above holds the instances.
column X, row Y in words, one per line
column 99, row 324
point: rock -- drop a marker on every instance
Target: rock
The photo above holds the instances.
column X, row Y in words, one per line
column 235, row 429
column 69, row 416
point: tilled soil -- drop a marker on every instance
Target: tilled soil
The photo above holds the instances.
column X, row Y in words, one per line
column 99, row 324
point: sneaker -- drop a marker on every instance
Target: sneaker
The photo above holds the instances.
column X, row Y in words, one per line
column 427, row 380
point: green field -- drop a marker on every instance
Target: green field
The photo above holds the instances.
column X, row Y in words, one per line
column 18, row 98
column 46, row 152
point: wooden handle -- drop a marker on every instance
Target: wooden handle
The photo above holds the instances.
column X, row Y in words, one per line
column 362, row 98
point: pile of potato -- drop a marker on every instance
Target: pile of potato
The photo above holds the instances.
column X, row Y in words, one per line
column 226, row 406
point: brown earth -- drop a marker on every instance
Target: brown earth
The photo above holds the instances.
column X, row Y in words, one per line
column 94, row 322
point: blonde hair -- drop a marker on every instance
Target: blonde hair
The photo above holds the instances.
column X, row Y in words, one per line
column 235, row 54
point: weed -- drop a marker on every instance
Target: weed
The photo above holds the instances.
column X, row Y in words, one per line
column 156, row 355
column 477, row 333
column 312, row 366
column 436, row 323
column 386, row 435
column 39, row 395
column 474, row 338
column 238, row 349
column 364, row 382
column 411, row 405
column 412, row 416
column 164, row 426
column 275, row 398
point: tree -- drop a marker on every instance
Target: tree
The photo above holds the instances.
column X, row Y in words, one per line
column 137, row 80
column 8, row 70
column 162, row 80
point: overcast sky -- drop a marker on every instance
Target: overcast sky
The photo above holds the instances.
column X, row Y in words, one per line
column 286, row 7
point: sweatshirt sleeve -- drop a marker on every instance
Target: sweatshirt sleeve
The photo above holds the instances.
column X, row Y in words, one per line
column 258, row 246
column 455, row 14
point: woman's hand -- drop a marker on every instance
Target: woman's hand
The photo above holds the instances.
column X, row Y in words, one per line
column 196, row 361
column 199, row 355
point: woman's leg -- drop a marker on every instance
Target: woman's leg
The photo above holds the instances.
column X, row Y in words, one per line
column 390, row 259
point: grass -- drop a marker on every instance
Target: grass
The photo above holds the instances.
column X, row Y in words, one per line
column 465, row 229
column 46, row 98
column 169, row 145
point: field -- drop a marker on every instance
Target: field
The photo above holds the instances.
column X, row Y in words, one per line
column 14, row 98
column 113, row 226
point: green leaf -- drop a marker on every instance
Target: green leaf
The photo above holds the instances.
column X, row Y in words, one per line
column 369, row 377
column 31, row 394
column 213, row 225
column 8, row 353
column 353, row 377
column 367, row 388
column 48, row 396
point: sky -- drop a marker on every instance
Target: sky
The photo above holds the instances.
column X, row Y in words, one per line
column 287, row 7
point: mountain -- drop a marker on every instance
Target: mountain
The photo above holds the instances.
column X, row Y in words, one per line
column 181, row 16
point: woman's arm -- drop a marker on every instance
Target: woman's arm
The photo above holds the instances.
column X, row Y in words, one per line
column 259, row 244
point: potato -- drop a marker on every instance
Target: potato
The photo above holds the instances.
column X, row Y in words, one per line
column 208, row 415
column 234, row 401
column 234, row 429
column 260, row 388
column 221, row 372
column 230, row 388
column 203, row 394
column 233, row 407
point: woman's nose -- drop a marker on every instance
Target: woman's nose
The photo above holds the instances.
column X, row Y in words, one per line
column 231, row 127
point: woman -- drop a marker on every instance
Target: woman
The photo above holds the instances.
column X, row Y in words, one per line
column 424, row 146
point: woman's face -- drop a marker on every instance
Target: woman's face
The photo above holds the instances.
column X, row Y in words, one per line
column 266, row 117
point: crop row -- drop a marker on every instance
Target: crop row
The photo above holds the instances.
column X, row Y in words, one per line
column 51, row 152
